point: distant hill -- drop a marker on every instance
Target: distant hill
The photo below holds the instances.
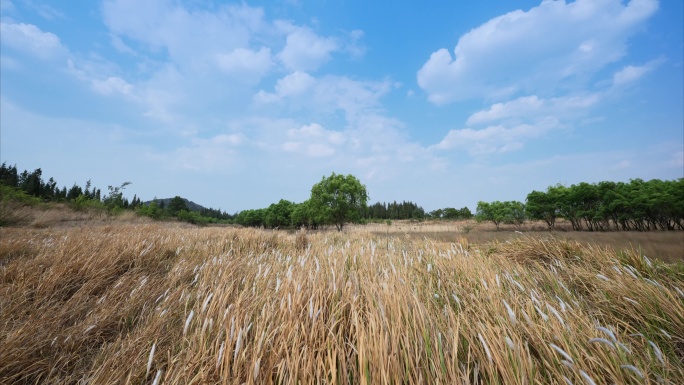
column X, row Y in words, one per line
column 191, row 205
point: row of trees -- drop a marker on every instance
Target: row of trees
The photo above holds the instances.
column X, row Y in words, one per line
column 410, row 210
column 335, row 200
column 450, row 213
column 32, row 184
column 637, row 205
column 394, row 210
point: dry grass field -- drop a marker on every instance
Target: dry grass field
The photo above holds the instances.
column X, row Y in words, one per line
column 144, row 303
column 664, row 245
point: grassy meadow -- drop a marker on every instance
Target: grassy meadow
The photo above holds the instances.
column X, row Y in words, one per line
column 164, row 303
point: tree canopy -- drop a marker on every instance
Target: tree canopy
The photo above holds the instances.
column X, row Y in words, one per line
column 338, row 199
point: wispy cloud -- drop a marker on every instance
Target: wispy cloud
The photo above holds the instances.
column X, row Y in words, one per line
column 632, row 73
column 32, row 40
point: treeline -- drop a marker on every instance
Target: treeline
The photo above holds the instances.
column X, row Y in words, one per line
column 33, row 185
column 286, row 214
column 637, row 206
column 410, row 210
column 394, row 210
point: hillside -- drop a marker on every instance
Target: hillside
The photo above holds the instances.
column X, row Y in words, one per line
column 192, row 206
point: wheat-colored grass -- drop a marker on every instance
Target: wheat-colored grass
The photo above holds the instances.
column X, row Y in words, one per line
column 167, row 304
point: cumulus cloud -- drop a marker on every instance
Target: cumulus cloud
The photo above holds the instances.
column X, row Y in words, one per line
column 327, row 94
column 291, row 85
column 190, row 37
column 313, row 140
column 304, row 50
column 534, row 51
column 246, row 62
column 32, row 40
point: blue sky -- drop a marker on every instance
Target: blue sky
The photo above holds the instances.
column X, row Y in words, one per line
column 235, row 105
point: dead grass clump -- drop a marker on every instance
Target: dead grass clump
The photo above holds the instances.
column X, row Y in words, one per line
column 538, row 249
column 301, row 240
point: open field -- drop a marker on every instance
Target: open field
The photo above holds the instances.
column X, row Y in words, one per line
column 664, row 245
column 173, row 304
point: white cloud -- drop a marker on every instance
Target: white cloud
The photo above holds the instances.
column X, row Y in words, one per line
column 534, row 51
column 32, row 40
column 306, row 51
column 120, row 46
column 246, row 62
column 191, row 38
column 677, row 159
column 44, row 10
column 232, row 139
column 313, row 130
column 292, row 146
column 354, row 46
column 631, row 73
column 328, row 94
column 314, row 139
column 318, row 150
column 495, row 139
column 112, row 85
column 533, row 107
column 216, row 154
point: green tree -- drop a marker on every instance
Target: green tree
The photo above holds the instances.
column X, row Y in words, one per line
column 176, row 205
column 338, row 199
column 115, row 198
column 514, row 212
column 151, row 210
column 279, row 214
column 541, row 206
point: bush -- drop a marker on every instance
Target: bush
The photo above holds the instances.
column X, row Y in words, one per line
column 152, row 210
column 193, row 217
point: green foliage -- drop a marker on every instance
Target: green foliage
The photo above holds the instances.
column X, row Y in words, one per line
column 176, row 205
column 279, row 215
column 83, row 202
column 13, row 194
column 394, row 210
column 193, row 217
column 542, row 206
column 510, row 212
column 115, row 199
column 451, row 213
column 637, row 205
column 151, row 210
column 338, row 199
column 251, row 218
